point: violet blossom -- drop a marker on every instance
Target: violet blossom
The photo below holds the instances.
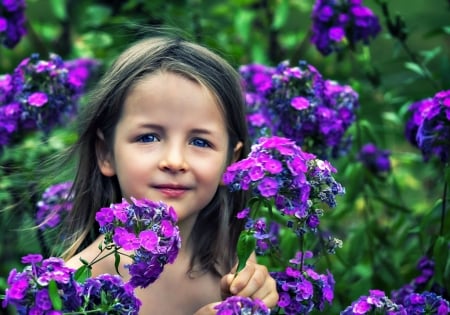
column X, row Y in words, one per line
column 240, row 305
column 340, row 24
column 428, row 127
column 54, row 205
column 41, row 94
column 296, row 181
column 146, row 228
column 374, row 159
column 301, row 289
column 12, row 22
column 375, row 303
column 30, row 291
column 298, row 103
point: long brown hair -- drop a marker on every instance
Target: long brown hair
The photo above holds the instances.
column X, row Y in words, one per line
column 214, row 235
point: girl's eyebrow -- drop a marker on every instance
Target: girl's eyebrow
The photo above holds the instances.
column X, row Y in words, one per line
column 204, row 131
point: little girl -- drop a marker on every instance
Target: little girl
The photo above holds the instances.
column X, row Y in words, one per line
column 163, row 124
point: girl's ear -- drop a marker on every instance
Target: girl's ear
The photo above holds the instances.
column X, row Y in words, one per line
column 104, row 157
column 237, row 151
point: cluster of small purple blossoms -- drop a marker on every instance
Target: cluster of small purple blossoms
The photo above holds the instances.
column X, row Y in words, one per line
column 240, row 305
column 43, row 281
column 297, row 103
column 428, row 128
column 12, row 22
column 41, row 94
column 146, row 228
column 375, row 160
column 426, row 269
column 301, row 288
column 426, row 303
column 267, row 237
column 342, row 23
column 54, row 205
column 278, row 169
column 376, row 303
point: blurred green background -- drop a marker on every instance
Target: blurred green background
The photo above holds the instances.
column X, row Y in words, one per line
column 385, row 224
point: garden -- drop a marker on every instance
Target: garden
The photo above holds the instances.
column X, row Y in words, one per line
column 348, row 109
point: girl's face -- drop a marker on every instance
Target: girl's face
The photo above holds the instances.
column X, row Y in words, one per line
column 170, row 144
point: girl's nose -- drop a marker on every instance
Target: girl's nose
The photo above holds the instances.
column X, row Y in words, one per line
column 173, row 160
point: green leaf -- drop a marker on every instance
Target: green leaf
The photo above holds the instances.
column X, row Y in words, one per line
column 440, row 255
column 54, row 295
column 59, row 9
column 83, row 273
column 245, row 247
column 116, row 261
column 281, row 14
column 414, row 67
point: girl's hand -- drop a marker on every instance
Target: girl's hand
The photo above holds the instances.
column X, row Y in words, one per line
column 253, row 281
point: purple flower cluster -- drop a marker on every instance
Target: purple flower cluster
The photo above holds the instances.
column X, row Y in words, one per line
column 12, row 22
column 340, row 24
column 426, row 269
column 277, row 169
column 111, row 294
column 302, row 289
column 148, row 229
column 240, row 305
column 267, row 237
column 426, row 303
column 374, row 159
column 41, row 94
column 428, row 128
column 376, row 303
column 44, row 281
column 55, row 203
column 298, row 103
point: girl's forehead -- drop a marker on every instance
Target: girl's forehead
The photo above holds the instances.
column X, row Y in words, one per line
column 174, row 97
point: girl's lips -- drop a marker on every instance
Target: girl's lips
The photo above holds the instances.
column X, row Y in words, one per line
column 172, row 192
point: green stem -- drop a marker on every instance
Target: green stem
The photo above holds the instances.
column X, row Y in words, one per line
column 443, row 208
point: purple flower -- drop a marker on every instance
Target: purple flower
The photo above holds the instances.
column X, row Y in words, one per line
column 295, row 180
column 374, row 159
column 12, row 22
column 426, row 303
column 148, row 229
column 239, row 305
column 37, row 99
column 332, row 21
column 375, row 303
column 428, row 127
column 55, row 203
column 301, row 105
column 29, row 292
column 111, row 294
column 302, row 291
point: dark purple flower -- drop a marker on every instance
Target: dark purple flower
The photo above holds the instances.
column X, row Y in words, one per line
column 374, row 159
column 428, row 127
column 375, row 303
column 148, row 229
column 301, row 105
column 12, row 22
column 302, row 291
column 108, row 293
column 54, row 205
column 295, row 180
column 239, row 305
column 334, row 21
column 426, row 303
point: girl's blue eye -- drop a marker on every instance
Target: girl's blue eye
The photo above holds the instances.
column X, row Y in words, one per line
column 200, row 143
column 147, row 138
